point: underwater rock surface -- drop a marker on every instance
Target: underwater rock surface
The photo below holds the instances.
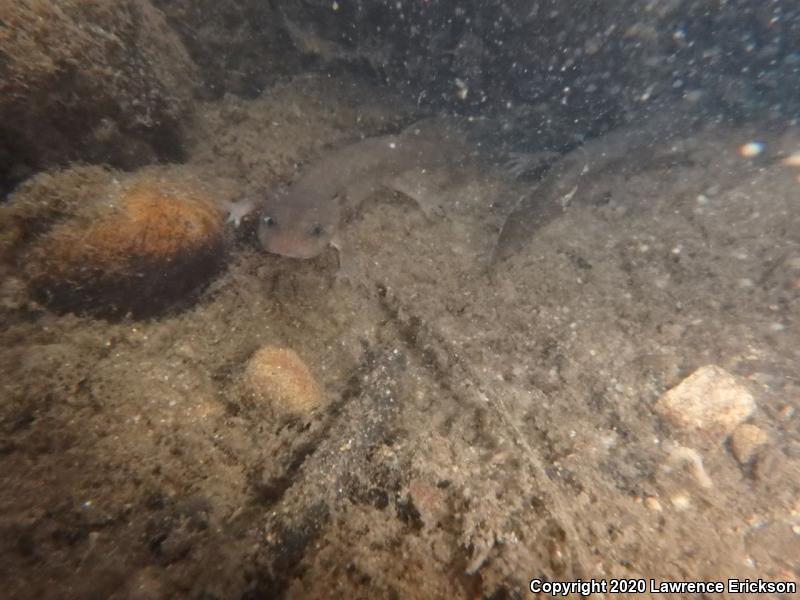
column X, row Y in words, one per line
column 90, row 80
column 131, row 246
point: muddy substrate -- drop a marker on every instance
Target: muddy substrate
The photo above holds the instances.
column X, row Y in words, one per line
column 486, row 423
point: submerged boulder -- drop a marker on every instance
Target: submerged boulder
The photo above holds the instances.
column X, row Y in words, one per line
column 115, row 247
column 90, row 80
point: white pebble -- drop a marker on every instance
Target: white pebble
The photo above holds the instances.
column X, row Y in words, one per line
column 710, row 400
column 681, row 501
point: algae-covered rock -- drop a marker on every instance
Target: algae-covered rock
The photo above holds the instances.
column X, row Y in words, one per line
column 99, row 244
column 43, row 200
column 281, row 379
column 90, row 80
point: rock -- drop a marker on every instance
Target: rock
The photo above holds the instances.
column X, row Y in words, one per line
column 135, row 246
column 429, row 501
column 746, row 441
column 280, row 378
column 681, row 501
column 89, row 80
column 653, row 504
column 710, row 400
column 42, row 200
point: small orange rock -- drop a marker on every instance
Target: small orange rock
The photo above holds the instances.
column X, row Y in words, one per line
column 279, row 377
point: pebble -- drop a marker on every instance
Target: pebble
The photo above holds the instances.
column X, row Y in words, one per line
column 710, row 400
column 279, row 377
column 681, row 501
column 746, row 441
column 653, row 504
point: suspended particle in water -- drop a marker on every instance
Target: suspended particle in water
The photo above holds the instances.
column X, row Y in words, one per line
column 462, row 90
column 751, row 149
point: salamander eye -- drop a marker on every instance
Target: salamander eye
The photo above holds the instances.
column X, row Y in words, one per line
column 269, row 221
column 316, row 230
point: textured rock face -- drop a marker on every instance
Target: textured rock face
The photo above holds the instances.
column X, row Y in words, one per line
column 134, row 246
column 89, row 80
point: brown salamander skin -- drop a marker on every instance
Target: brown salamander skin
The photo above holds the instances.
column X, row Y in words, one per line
column 303, row 222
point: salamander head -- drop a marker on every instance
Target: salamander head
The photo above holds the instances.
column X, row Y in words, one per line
column 297, row 227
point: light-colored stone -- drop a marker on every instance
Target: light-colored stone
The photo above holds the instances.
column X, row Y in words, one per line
column 746, row 441
column 710, row 400
column 653, row 504
column 279, row 377
column 681, row 501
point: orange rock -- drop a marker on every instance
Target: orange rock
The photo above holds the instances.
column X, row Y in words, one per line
column 151, row 224
column 279, row 377
column 140, row 249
